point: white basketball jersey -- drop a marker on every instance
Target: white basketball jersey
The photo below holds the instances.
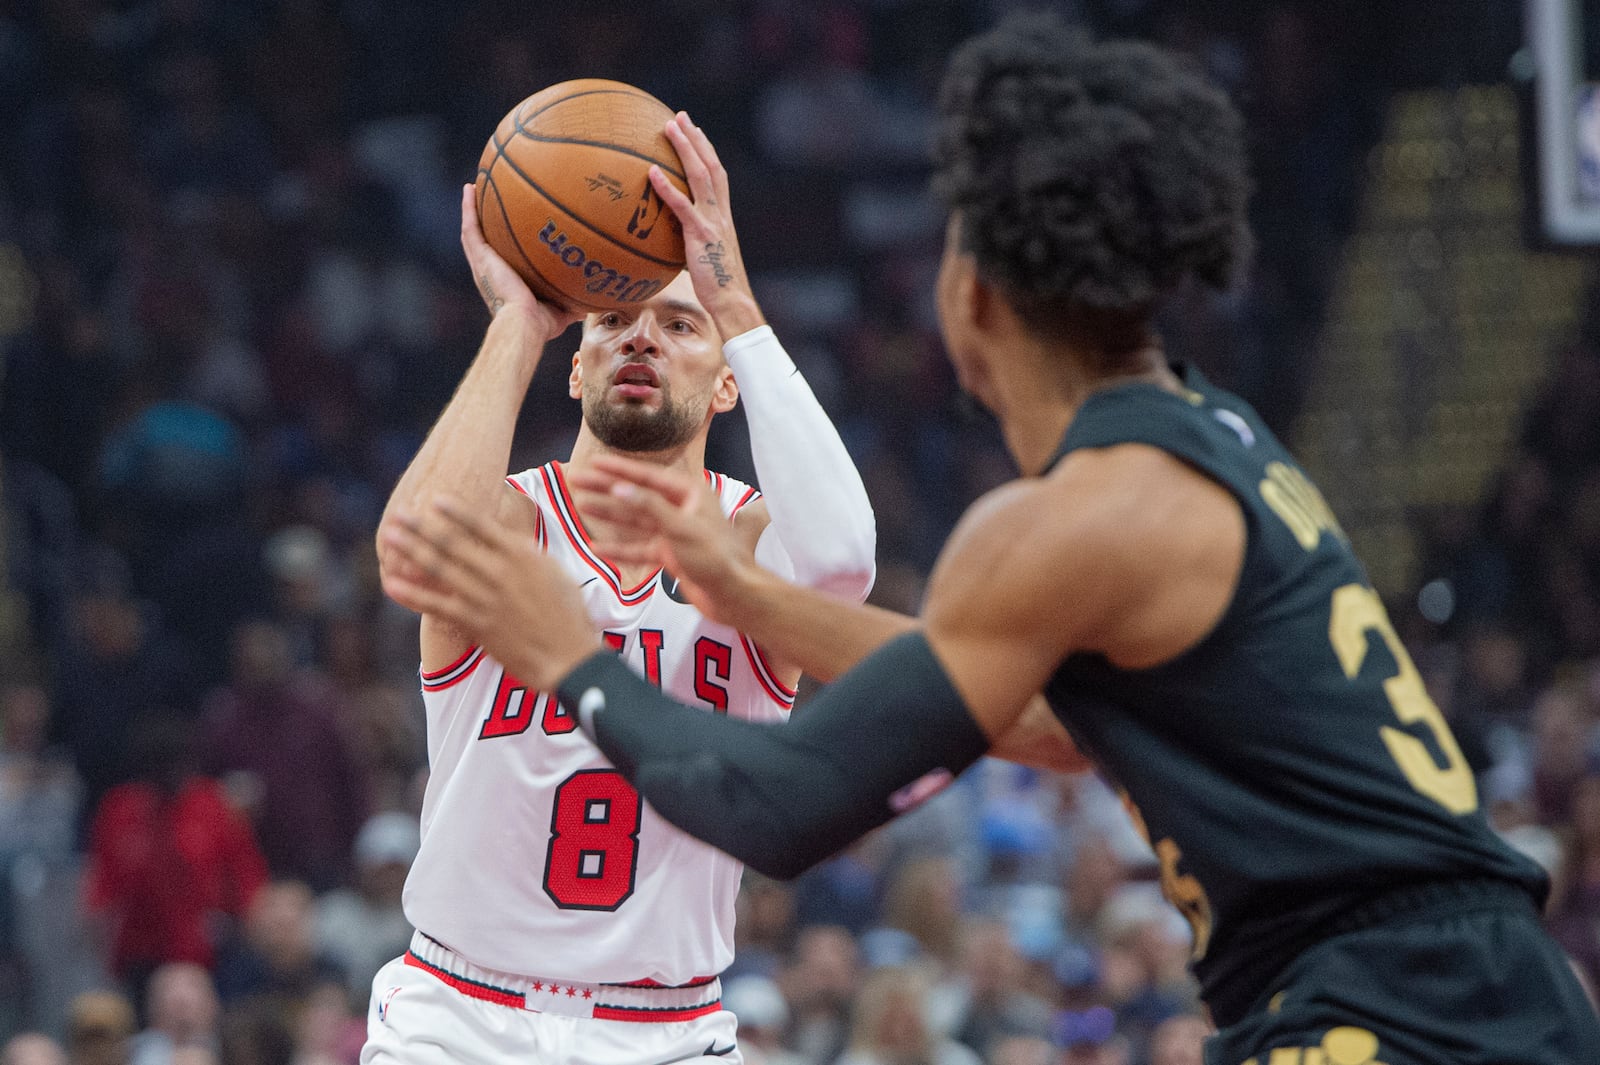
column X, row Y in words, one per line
column 537, row 856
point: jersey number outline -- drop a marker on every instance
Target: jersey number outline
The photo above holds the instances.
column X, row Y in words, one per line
column 594, row 841
column 1182, row 891
column 1356, row 611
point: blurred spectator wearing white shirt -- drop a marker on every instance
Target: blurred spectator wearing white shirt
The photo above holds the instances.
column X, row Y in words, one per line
column 360, row 930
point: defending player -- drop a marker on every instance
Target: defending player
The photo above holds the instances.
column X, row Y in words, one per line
column 1165, row 572
column 559, row 919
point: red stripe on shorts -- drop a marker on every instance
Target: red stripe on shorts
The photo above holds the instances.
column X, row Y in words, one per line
column 646, row 1013
column 471, row 988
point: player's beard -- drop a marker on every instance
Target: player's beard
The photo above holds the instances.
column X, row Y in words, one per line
column 636, row 427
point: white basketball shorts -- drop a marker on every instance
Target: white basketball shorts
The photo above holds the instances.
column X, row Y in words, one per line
column 431, row 1007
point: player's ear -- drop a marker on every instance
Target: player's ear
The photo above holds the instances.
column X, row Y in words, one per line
column 968, row 310
column 959, row 295
column 974, row 298
column 575, row 379
column 725, row 395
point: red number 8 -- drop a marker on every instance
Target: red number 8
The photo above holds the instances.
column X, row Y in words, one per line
column 594, row 841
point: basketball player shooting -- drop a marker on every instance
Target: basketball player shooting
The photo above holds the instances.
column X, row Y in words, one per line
column 558, row 918
column 1164, row 572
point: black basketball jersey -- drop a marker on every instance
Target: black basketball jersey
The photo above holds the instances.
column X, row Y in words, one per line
column 1290, row 766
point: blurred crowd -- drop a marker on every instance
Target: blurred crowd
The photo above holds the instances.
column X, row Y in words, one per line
column 231, row 302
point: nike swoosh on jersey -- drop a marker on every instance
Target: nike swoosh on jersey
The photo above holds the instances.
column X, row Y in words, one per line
column 711, row 1051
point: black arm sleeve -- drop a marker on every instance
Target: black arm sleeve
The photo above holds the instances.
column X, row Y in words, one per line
column 781, row 798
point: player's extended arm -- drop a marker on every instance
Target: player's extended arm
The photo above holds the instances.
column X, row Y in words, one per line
column 1149, row 570
column 782, row 799
column 822, row 532
column 467, row 452
column 671, row 519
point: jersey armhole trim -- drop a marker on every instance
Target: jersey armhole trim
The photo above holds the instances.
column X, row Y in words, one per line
column 779, row 692
column 750, row 495
column 538, row 512
column 455, row 672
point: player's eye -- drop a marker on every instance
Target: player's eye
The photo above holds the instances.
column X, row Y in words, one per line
column 680, row 325
column 611, row 319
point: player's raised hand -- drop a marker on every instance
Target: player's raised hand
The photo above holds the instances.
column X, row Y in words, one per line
column 667, row 518
column 494, row 585
column 710, row 245
column 498, row 284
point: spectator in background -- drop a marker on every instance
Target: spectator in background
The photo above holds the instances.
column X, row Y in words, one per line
column 177, row 471
column 1095, row 874
column 100, row 1026
column 383, row 726
column 32, row 1048
column 40, row 793
column 924, row 899
column 277, row 958
column 39, row 534
column 994, row 1004
column 1563, row 742
column 361, row 930
column 257, row 1033
column 1144, row 959
column 182, row 1011
column 890, row 1024
column 279, row 730
column 40, row 806
column 327, row 1028
column 1023, row 1050
column 763, row 1018
column 1494, row 682
column 169, row 856
column 304, row 582
column 764, row 925
column 119, row 661
column 1574, row 911
column 842, row 890
column 1511, row 814
column 820, row 985
column 1089, row 1037
column 1179, row 1040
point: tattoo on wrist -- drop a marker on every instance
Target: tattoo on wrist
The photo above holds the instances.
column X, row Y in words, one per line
column 713, row 258
column 494, row 301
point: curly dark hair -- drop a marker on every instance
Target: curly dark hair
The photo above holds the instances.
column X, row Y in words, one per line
column 1091, row 178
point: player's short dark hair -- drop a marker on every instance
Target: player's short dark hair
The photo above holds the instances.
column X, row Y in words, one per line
column 1091, row 178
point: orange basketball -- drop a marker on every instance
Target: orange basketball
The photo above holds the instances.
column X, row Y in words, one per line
column 564, row 194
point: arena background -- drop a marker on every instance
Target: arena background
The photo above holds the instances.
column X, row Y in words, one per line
column 232, row 301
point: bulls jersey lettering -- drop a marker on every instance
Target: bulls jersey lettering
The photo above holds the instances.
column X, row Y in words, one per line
column 534, row 850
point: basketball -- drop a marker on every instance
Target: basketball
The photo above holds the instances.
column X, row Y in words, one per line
column 564, row 194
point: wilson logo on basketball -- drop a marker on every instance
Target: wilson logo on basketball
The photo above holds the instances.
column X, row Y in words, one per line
column 601, row 279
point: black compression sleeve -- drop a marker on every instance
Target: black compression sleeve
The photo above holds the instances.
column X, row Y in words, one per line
column 781, row 798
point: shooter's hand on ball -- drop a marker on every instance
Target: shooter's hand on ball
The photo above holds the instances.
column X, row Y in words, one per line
column 497, row 283
column 710, row 245
column 669, row 518
column 494, row 585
